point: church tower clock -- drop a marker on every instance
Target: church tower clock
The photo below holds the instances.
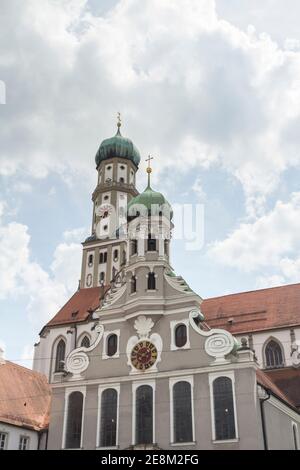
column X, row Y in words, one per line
column 105, row 251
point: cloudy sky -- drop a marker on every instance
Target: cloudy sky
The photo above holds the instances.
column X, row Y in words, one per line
column 211, row 88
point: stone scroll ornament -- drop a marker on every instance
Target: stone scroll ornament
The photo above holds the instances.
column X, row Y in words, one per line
column 78, row 360
column 219, row 342
column 296, row 354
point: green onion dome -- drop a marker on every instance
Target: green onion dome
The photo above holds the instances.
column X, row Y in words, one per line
column 153, row 201
column 118, row 146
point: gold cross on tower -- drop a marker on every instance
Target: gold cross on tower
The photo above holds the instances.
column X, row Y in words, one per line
column 149, row 169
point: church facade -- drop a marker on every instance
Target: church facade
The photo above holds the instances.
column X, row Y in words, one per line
column 133, row 360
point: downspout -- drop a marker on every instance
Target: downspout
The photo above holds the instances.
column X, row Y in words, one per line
column 75, row 336
column 263, row 418
column 47, row 434
column 39, row 439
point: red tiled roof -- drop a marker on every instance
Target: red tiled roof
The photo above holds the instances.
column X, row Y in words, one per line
column 266, row 381
column 258, row 310
column 288, row 380
column 25, row 397
column 78, row 307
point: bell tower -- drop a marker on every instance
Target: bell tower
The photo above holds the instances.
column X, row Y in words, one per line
column 105, row 251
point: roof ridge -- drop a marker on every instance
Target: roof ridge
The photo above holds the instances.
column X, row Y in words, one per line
column 25, row 369
column 253, row 290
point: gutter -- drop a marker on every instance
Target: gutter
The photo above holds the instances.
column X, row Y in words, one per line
column 263, row 418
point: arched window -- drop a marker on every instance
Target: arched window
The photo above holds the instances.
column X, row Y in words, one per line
column 273, row 354
column 223, row 409
column 182, row 412
column 295, row 436
column 85, row 342
column 90, row 260
column 102, row 276
column 151, row 281
column 133, row 284
column 105, row 257
column 116, row 255
column 112, row 345
column 60, row 356
column 134, row 247
column 74, row 420
column 108, row 425
column 123, row 258
column 144, row 415
column 101, row 258
column 180, row 335
column 151, row 245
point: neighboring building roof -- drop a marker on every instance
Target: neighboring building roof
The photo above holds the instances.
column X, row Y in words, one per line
column 25, row 397
column 266, row 381
column 288, row 380
column 78, row 307
column 245, row 312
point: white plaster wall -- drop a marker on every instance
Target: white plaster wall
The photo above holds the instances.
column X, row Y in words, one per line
column 282, row 335
column 44, row 354
column 108, row 172
column 14, row 433
column 131, row 177
column 122, row 172
column 106, row 195
column 89, row 269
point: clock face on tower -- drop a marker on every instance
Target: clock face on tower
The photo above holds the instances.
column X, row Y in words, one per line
column 105, row 210
column 143, row 355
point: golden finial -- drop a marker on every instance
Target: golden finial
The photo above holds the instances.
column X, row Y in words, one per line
column 149, row 169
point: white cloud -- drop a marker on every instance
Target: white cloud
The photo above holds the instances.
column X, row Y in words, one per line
column 270, row 242
column 66, row 265
column 20, row 275
column 77, row 235
column 210, row 92
column 198, row 190
column 27, row 356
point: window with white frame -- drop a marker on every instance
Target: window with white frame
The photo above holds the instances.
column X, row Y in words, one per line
column 3, row 440
column 223, row 407
column 111, row 341
column 182, row 424
column 60, row 355
column 108, row 428
column 182, row 412
column 273, row 354
column 85, row 342
column 74, row 420
column 24, row 443
column 180, row 334
column 144, row 415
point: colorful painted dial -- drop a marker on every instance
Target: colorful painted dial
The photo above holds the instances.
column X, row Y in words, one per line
column 143, row 355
